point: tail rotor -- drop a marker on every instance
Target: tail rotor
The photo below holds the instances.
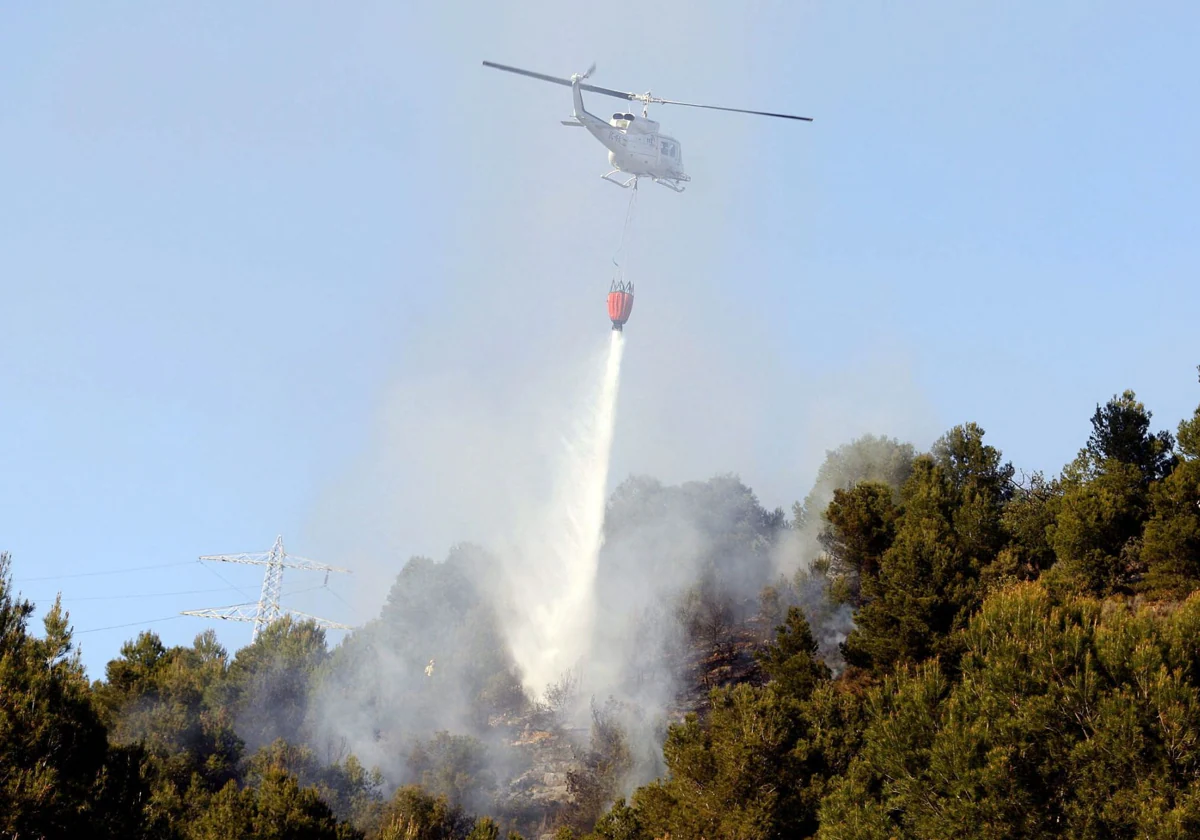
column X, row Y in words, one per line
column 579, row 77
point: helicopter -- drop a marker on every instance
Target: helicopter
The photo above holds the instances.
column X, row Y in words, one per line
column 635, row 145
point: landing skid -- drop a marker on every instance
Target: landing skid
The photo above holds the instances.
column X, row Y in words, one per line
column 669, row 183
column 632, row 182
column 672, row 185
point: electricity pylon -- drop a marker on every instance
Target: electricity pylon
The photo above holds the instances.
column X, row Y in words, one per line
column 268, row 610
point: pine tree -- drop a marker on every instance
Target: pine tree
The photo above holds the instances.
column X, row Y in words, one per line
column 53, row 746
column 791, row 662
column 1171, row 542
column 1121, row 433
column 861, row 527
column 950, row 530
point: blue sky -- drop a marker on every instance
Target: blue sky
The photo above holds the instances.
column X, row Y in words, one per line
column 309, row 269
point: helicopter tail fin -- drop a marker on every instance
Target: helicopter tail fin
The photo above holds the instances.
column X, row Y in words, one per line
column 576, row 96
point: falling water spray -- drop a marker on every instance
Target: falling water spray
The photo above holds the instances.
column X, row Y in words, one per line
column 551, row 632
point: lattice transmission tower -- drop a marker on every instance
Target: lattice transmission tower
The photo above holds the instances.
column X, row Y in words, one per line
column 268, row 609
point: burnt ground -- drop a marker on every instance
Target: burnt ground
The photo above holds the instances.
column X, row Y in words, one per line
column 729, row 663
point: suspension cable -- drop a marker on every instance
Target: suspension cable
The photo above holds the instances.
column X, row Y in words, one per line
column 620, row 252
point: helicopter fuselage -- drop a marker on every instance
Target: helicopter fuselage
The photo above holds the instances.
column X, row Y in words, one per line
column 635, row 144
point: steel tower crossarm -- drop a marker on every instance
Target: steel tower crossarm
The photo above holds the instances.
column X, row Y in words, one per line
column 276, row 556
column 249, row 612
column 268, row 609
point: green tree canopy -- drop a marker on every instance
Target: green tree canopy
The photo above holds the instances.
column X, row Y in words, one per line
column 1074, row 720
column 949, row 530
column 53, row 745
column 1121, row 433
column 791, row 662
column 862, row 527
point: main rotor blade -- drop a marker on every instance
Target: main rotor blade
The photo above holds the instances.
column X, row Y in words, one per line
column 619, row 94
column 737, row 110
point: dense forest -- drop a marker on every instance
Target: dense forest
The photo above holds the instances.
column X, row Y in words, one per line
column 931, row 645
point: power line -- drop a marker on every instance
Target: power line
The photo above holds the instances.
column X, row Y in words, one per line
column 130, row 624
column 107, row 572
column 180, row 592
column 227, row 581
column 144, row 595
column 305, row 589
column 340, row 598
column 173, row 617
